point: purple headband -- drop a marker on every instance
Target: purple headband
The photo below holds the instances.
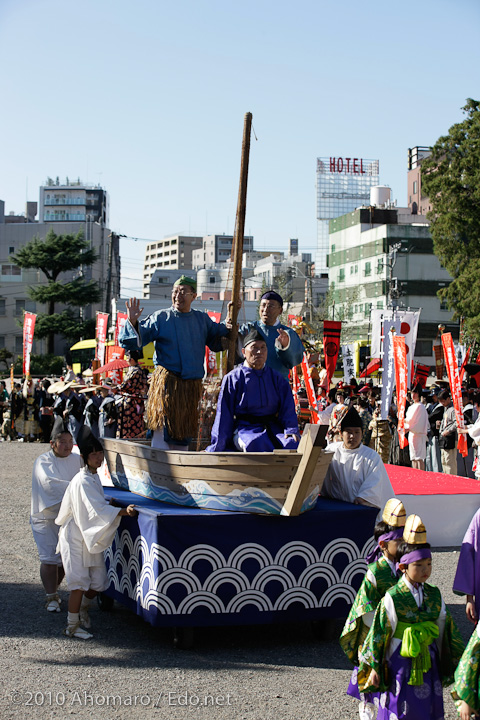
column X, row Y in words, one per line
column 415, row 555
column 395, row 534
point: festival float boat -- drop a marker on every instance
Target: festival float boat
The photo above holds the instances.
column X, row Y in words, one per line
column 283, row 482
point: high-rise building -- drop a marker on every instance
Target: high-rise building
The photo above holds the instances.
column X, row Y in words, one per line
column 217, row 249
column 73, row 202
column 343, row 184
column 172, row 253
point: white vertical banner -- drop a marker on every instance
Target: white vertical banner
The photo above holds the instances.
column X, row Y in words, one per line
column 348, row 363
column 388, row 375
column 376, row 317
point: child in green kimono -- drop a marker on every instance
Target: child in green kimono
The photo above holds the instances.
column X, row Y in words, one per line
column 466, row 691
column 381, row 576
column 413, row 646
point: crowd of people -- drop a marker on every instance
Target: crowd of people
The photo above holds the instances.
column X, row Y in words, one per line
column 38, row 408
column 430, row 424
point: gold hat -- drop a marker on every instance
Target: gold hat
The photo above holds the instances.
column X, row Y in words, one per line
column 394, row 513
column 415, row 533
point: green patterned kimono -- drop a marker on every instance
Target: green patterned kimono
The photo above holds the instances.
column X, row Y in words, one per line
column 377, row 581
column 411, row 681
column 467, row 674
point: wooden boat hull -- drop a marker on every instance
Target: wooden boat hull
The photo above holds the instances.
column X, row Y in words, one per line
column 280, row 483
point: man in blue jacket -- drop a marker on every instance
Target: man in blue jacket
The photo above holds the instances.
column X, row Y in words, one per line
column 285, row 349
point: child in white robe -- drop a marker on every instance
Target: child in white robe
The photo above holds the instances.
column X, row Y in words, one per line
column 88, row 523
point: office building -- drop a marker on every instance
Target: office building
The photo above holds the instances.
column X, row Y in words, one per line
column 343, row 184
column 172, row 253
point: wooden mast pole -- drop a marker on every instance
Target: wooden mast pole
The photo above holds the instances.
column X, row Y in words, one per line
column 238, row 241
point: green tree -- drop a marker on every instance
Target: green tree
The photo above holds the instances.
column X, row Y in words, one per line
column 451, row 180
column 5, row 357
column 53, row 256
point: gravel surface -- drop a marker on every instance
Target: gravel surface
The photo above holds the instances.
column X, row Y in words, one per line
column 131, row 670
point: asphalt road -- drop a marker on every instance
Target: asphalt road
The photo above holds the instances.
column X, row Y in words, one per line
column 131, row 670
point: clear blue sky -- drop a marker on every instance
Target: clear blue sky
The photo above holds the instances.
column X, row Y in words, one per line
column 148, row 99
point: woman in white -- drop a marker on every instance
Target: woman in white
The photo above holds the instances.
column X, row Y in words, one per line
column 416, row 422
column 88, row 523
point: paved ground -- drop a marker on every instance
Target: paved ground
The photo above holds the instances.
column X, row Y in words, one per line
column 132, row 671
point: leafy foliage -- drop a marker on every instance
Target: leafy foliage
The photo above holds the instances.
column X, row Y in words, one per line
column 54, row 255
column 451, row 179
column 5, row 356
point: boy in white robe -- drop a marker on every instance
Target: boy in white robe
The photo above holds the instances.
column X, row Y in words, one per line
column 88, row 525
column 356, row 473
column 51, row 476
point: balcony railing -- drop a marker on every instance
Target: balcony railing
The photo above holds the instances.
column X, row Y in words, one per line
column 65, row 201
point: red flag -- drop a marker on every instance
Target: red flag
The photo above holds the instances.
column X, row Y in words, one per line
column 374, row 365
column 421, row 375
column 101, row 336
column 210, row 355
column 310, row 389
column 456, row 389
column 401, row 378
column 28, row 330
column 462, row 369
column 121, row 320
column 331, row 346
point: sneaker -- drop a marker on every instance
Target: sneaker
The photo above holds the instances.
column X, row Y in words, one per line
column 77, row 632
column 53, row 604
column 85, row 617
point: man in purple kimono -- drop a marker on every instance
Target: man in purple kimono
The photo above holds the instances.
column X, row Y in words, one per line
column 467, row 577
column 255, row 410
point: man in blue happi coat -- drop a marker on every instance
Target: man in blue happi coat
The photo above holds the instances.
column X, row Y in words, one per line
column 285, row 349
column 255, row 410
column 180, row 335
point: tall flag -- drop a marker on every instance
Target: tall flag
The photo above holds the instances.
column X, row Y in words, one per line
column 421, row 375
column 348, row 363
column 331, row 346
column 28, row 330
column 388, row 374
column 101, row 336
column 401, row 375
column 310, row 390
column 439, row 366
column 210, row 356
column 121, row 320
column 456, row 389
column 465, row 361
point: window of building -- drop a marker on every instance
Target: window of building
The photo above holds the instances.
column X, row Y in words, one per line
column 379, row 266
column 2, row 341
column 21, row 305
column 415, row 187
column 333, row 249
column 174, row 242
column 368, row 268
column 341, row 275
column 2, row 306
column 356, row 268
column 443, row 305
column 351, row 269
column 379, row 304
column 18, row 344
column 211, row 279
column 423, row 348
column 11, row 250
column 167, row 242
column 11, row 270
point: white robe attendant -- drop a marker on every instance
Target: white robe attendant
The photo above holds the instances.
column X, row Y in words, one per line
column 50, row 478
column 88, row 525
column 357, row 473
column 416, row 422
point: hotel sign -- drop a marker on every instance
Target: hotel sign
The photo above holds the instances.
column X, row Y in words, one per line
column 347, row 165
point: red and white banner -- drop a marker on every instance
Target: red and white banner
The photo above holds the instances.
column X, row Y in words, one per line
column 295, row 384
column 115, row 352
column 456, row 389
column 28, row 330
column 211, row 363
column 121, row 320
column 101, row 336
column 401, row 377
column 331, row 346
column 312, row 401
